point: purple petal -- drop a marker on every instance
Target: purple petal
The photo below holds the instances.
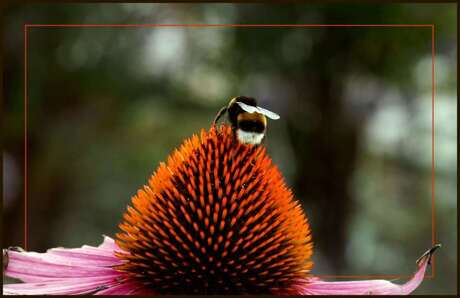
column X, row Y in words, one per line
column 315, row 286
column 67, row 271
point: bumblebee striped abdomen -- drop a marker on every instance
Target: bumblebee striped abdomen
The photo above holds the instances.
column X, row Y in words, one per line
column 252, row 122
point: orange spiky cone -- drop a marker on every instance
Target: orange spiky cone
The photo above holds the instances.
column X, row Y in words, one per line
column 217, row 218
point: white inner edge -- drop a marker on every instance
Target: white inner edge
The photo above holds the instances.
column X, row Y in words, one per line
column 249, row 137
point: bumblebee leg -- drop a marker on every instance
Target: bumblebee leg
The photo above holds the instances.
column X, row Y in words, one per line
column 219, row 114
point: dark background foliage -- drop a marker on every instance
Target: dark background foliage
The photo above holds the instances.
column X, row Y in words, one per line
column 106, row 105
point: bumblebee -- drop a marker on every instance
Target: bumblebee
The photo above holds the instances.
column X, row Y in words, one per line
column 248, row 120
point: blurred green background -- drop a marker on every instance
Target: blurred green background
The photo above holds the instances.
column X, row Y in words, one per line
column 106, row 105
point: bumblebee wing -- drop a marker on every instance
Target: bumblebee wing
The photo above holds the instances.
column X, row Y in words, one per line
column 251, row 109
column 268, row 113
column 248, row 108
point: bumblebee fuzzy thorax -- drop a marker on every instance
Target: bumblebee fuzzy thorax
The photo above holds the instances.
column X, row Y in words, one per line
column 234, row 109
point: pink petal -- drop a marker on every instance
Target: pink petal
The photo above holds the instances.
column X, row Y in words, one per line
column 127, row 288
column 315, row 286
column 48, row 266
column 57, row 287
column 103, row 252
column 109, row 244
column 67, row 271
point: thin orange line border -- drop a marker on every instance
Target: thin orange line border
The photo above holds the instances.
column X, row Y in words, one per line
column 433, row 93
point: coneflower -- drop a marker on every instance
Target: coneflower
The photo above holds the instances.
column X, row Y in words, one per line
column 216, row 219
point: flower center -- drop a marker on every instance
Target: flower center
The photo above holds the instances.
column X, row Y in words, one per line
column 216, row 219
